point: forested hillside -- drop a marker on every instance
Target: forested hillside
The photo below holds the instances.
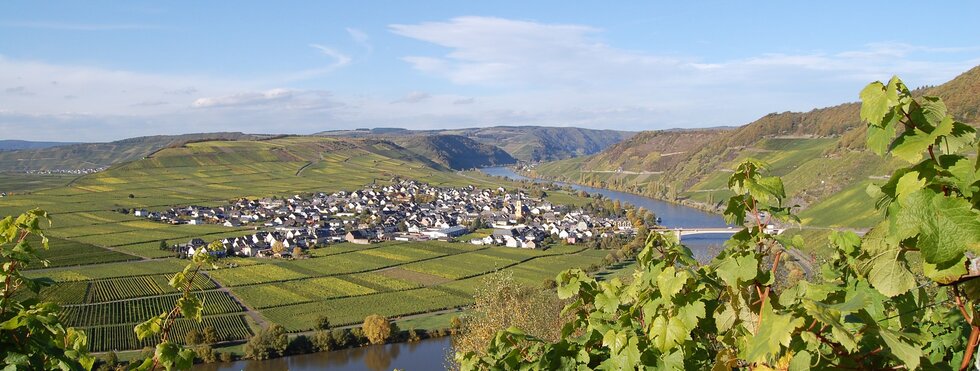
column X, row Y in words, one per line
column 525, row 143
column 455, row 151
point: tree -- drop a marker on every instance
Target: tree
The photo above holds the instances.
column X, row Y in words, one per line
column 300, row 344
column 341, row 338
column 323, row 341
column 164, row 245
column 865, row 308
column 278, row 247
column 32, row 336
column 269, row 342
column 110, row 359
column 206, row 354
column 323, row 322
column 297, row 252
column 193, row 337
column 211, row 335
column 377, row 329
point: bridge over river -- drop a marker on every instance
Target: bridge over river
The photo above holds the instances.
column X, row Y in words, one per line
column 681, row 232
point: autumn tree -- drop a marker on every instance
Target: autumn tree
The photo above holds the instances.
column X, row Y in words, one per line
column 377, row 329
column 278, row 247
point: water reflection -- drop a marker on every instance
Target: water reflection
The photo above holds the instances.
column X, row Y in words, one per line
column 429, row 354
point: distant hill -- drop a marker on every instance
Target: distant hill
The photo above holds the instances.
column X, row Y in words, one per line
column 525, row 143
column 820, row 154
column 455, row 151
column 13, row 144
column 99, row 155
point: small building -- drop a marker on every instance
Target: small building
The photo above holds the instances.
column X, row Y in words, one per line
column 358, row 236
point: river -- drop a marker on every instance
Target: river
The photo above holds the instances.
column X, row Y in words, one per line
column 672, row 215
column 431, row 354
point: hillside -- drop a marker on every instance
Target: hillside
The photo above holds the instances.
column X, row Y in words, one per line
column 13, row 145
column 100, row 155
column 525, row 143
column 455, row 151
column 820, row 154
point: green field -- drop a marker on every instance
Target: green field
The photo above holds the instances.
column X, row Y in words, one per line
column 24, row 183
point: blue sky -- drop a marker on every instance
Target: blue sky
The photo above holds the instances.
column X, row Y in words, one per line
column 96, row 71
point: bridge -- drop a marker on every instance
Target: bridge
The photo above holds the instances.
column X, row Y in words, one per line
column 681, row 232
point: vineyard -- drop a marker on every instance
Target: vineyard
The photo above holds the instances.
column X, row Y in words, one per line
column 122, row 337
column 133, row 311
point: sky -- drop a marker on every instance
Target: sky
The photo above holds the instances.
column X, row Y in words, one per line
column 102, row 71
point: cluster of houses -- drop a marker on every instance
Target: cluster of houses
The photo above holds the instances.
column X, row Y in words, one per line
column 405, row 211
column 65, row 171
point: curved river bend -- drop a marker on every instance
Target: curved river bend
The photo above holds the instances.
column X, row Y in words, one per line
column 431, row 354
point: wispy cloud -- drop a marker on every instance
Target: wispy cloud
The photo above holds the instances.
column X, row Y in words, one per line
column 286, row 99
column 66, row 26
column 340, row 59
column 361, row 39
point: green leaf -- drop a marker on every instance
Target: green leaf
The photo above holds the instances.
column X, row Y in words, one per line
column 879, row 138
column 949, row 226
column 965, row 177
column 689, row 314
column 911, row 145
column 800, row 362
column 668, row 333
column 775, row 331
column 907, row 353
column 960, row 136
column 890, row 276
column 670, row 282
column 150, row 327
column 874, row 103
column 945, row 275
column 932, row 110
column 733, row 269
column 908, row 184
column 190, row 307
column 607, row 302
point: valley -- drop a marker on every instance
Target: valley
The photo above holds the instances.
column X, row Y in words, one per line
column 110, row 272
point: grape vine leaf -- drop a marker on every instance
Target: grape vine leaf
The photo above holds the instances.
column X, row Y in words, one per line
column 776, row 330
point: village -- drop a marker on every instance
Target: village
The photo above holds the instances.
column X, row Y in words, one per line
column 404, row 211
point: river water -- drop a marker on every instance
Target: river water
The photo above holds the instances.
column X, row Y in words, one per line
column 431, row 354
